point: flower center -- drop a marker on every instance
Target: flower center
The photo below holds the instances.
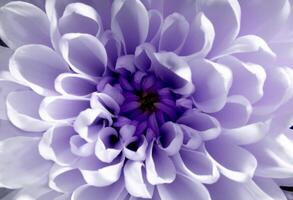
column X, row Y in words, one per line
column 147, row 101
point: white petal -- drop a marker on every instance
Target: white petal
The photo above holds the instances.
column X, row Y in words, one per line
column 23, row 23
column 183, row 188
column 130, row 21
column 158, row 173
column 18, row 155
column 62, row 108
column 106, row 174
column 85, row 53
column 23, row 111
column 65, row 179
column 67, row 83
column 235, row 113
column 135, row 180
column 233, row 161
column 212, row 82
column 37, row 66
column 76, row 14
column 196, row 165
column 55, row 146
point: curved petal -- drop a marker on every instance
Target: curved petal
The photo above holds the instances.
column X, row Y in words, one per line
column 67, row 83
column 228, row 189
column 14, row 153
column 90, row 121
column 230, row 19
column 130, row 22
column 55, row 146
column 259, row 18
column 277, row 88
column 200, row 38
column 235, row 113
column 106, row 174
column 5, row 54
column 62, row 108
column 65, row 179
column 252, row 75
column 77, row 14
column 175, row 71
column 7, row 86
column 37, row 66
column 274, row 156
column 156, row 172
column 155, row 24
column 174, row 32
column 80, row 147
column 108, row 145
column 23, row 23
column 84, row 53
column 197, row 166
column 233, row 161
column 183, row 188
column 143, row 56
column 212, row 82
column 171, row 138
column 136, row 147
column 135, row 180
column 23, row 111
column 247, row 134
column 207, row 126
column 87, row 192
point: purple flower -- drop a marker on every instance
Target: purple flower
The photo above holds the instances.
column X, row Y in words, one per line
column 146, row 99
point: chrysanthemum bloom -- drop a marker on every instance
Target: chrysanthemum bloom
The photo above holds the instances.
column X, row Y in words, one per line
column 150, row 99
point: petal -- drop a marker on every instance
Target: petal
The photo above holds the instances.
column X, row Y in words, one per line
column 159, row 167
column 80, row 147
column 135, row 148
column 37, row 66
column 259, row 18
column 175, row 71
column 15, row 152
column 5, row 54
column 200, row 38
column 23, row 23
column 227, row 26
column 62, row 108
column 6, row 87
column 270, row 187
column 23, row 111
column 252, row 75
column 274, row 156
column 233, row 161
column 207, row 126
column 77, row 14
column 87, row 192
column 105, row 102
column 65, row 179
column 228, row 189
column 66, row 84
column 155, row 23
column 90, row 121
column 235, row 113
column 171, row 138
column 55, row 146
column 84, row 53
column 106, row 174
column 183, row 188
column 135, row 180
column 212, row 82
column 108, row 145
column 130, row 22
column 174, row 32
column 250, row 48
column 247, row 134
column 277, row 87
column 143, row 55
column 197, row 166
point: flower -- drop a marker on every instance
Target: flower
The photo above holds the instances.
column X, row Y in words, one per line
column 152, row 99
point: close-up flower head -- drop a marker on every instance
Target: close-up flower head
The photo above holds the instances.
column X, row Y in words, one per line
column 146, row 99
